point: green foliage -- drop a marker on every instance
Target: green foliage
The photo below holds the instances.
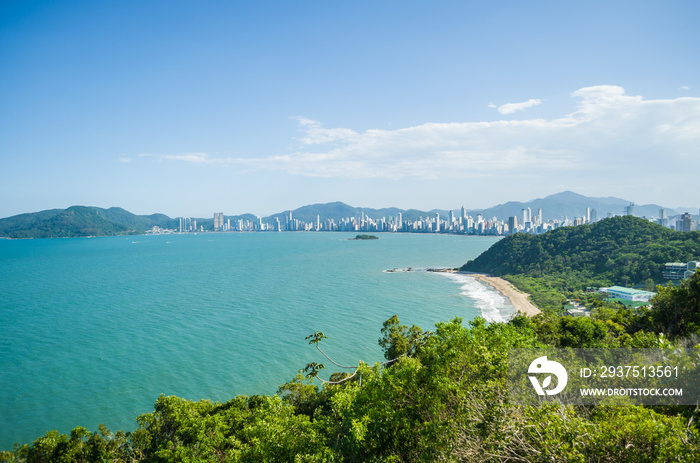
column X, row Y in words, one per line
column 676, row 309
column 619, row 250
column 366, row 237
column 253, row 428
column 79, row 221
column 444, row 401
column 399, row 340
column 607, row 251
column 544, row 291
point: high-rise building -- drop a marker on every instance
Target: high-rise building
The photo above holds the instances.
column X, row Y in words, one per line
column 218, row 221
column 629, row 210
column 512, row 224
column 685, row 223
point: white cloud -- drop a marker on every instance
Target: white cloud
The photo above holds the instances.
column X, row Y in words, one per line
column 195, row 158
column 609, row 136
column 510, row 108
column 315, row 133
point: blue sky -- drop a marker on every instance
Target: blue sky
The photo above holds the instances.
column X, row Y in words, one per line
column 187, row 108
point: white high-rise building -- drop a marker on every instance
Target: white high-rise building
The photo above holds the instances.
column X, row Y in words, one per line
column 218, row 221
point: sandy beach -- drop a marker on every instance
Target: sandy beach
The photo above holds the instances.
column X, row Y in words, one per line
column 519, row 299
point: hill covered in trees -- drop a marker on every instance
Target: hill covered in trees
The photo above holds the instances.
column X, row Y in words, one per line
column 615, row 251
column 80, row 221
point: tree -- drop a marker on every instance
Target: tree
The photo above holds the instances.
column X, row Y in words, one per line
column 399, row 340
column 676, row 309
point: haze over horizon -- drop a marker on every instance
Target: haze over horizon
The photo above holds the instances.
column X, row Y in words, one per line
column 186, row 109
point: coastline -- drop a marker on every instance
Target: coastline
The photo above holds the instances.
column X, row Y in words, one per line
column 519, row 299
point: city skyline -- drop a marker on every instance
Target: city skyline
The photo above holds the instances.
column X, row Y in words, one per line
column 463, row 223
column 185, row 108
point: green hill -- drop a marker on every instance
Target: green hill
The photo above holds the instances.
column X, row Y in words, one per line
column 79, row 221
column 619, row 250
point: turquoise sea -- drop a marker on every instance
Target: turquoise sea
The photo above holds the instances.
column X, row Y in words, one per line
column 93, row 330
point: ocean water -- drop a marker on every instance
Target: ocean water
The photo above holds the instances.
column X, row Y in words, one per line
column 94, row 330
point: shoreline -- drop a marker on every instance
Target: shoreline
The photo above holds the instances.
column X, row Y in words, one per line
column 519, row 299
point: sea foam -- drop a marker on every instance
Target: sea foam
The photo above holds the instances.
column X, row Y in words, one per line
column 494, row 306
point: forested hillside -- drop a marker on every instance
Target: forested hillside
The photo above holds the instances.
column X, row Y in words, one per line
column 615, row 251
column 80, row 221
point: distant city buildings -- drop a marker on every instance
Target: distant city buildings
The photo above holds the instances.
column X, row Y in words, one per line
column 462, row 223
column 685, row 223
column 218, row 221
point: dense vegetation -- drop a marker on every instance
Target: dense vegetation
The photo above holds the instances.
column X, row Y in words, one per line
column 615, row 251
column 366, row 237
column 442, row 398
column 80, row 221
column 441, row 395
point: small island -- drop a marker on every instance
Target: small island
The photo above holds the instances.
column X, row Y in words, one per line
column 364, row 237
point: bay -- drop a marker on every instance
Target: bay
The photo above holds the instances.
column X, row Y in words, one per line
column 94, row 330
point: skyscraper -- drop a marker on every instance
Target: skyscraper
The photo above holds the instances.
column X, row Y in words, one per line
column 218, row 221
column 512, row 225
column 686, row 223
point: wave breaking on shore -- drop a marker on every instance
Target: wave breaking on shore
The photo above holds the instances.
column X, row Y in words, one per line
column 494, row 306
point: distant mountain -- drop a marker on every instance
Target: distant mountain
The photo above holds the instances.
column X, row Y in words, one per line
column 95, row 221
column 338, row 211
column 568, row 204
column 558, row 206
column 77, row 221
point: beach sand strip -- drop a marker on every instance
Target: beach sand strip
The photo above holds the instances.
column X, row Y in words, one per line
column 518, row 298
